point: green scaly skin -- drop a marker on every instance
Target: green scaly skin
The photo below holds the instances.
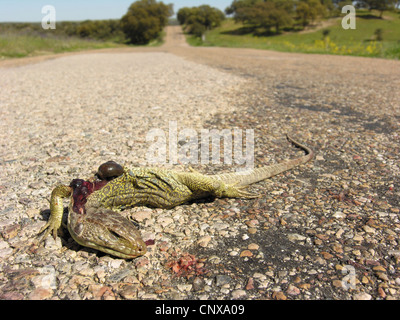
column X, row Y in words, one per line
column 103, row 229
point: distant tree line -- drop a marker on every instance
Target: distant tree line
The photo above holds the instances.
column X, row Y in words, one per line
column 380, row 5
column 197, row 20
column 143, row 23
column 275, row 15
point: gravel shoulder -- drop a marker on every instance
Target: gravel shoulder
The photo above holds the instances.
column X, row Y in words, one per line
column 326, row 230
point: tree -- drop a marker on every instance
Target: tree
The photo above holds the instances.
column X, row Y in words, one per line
column 145, row 20
column 380, row 5
column 197, row 20
column 264, row 14
column 309, row 10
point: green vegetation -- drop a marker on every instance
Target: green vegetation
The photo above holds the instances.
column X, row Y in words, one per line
column 198, row 20
column 18, row 46
column 373, row 36
column 142, row 24
column 145, row 21
column 28, row 39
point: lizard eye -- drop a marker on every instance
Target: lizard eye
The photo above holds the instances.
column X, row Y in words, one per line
column 114, row 234
column 109, row 170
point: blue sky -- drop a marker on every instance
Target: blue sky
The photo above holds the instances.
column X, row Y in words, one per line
column 31, row 10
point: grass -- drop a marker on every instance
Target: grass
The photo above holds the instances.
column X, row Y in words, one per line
column 358, row 42
column 17, row 46
column 16, row 43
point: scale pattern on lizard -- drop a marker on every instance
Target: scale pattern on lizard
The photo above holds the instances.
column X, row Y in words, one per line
column 94, row 223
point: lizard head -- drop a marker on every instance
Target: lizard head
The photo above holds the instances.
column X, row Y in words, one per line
column 107, row 231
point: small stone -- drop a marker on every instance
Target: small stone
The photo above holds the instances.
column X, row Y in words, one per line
column 339, row 215
column 140, row 216
column 165, row 221
column 203, row 242
column 40, row 294
column 293, row 290
column 222, row 279
column 246, row 253
column 129, row 292
column 368, row 229
column 198, row 284
column 362, row 296
column 10, row 232
column 252, row 223
column 115, row 263
column 305, row 286
column 383, row 276
column 358, row 238
column 253, row 246
column 337, row 283
column 339, row 233
column 381, row 292
column 337, row 248
column 11, row 296
column 364, row 280
column 326, row 255
column 278, row 295
column 250, row 284
column 6, row 252
column 237, row 294
column 296, row 237
column 379, row 268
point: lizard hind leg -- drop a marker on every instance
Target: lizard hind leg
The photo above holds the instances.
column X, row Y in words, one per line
column 231, row 191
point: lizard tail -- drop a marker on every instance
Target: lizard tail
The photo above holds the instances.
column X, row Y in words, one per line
column 247, row 177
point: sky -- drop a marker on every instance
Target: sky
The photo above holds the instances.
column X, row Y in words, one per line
column 78, row 10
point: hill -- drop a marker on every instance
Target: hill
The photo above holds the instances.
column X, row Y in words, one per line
column 373, row 37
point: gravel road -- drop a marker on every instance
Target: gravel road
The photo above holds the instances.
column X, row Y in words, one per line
column 326, row 230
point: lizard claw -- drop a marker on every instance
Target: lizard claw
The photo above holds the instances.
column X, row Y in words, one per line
column 49, row 227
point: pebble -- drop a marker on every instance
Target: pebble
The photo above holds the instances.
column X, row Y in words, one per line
column 204, row 241
column 238, row 294
column 362, row 296
column 279, row 295
column 296, row 237
column 253, row 246
column 293, row 290
column 246, row 253
column 221, row 280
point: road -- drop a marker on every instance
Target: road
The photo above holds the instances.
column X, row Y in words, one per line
column 315, row 232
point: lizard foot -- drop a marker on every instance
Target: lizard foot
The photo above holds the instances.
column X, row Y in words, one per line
column 51, row 227
column 231, row 191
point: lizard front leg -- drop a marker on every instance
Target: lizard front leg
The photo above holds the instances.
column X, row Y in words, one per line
column 56, row 210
